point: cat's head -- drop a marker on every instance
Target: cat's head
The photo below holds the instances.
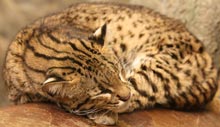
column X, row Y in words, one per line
column 93, row 83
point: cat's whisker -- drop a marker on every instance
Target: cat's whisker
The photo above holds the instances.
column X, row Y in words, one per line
column 86, row 112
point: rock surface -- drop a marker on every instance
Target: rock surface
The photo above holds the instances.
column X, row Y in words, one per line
column 47, row 115
column 3, row 91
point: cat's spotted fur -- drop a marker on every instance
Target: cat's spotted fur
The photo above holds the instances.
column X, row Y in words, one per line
column 99, row 59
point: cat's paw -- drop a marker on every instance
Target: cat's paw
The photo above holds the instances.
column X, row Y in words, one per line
column 104, row 117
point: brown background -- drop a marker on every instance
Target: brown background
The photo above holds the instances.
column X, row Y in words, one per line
column 202, row 17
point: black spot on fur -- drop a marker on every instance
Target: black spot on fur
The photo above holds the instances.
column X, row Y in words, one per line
column 152, row 98
column 174, row 56
column 143, row 67
column 87, row 18
column 109, row 20
column 119, row 28
column 134, row 24
column 94, row 18
column 201, row 49
column 177, row 46
column 169, row 45
column 123, row 47
column 141, row 35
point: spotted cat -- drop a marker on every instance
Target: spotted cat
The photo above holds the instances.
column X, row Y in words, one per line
column 101, row 59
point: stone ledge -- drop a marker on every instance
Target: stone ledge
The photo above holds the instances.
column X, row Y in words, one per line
column 47, row 115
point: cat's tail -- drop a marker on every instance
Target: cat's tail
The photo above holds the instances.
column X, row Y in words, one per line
column 20, row 88
column 190, row 83
column 198, row 82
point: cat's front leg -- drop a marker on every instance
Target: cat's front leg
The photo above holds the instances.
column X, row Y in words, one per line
column 105, row 117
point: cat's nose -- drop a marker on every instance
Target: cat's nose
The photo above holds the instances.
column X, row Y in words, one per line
column 124, row 98
column 121, row 89
column 124, row 93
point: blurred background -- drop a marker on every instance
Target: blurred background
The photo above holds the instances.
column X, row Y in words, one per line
column 202, row 18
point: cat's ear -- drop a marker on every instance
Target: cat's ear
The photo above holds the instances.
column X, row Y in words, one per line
column 99, row 35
